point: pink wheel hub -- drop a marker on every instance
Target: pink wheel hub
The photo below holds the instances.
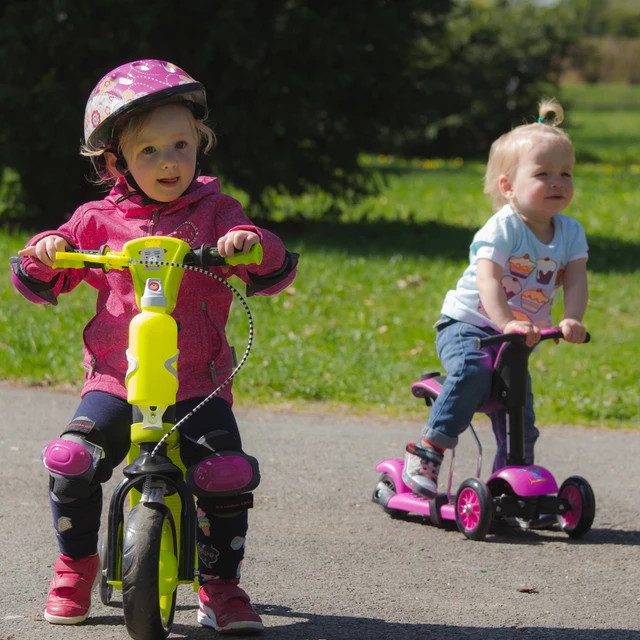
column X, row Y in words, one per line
column 572, row 518
column 469, row 509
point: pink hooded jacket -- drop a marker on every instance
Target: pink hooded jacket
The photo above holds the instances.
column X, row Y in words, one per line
column 201, row 214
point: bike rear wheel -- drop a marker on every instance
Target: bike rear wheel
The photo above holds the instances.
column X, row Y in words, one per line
column 149, row 572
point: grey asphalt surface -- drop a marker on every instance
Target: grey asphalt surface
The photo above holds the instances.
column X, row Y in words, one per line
column 325, row 563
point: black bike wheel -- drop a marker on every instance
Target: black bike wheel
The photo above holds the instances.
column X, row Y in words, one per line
column 149, row 572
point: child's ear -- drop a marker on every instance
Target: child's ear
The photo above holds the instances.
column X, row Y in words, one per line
column 112, row 164
column 504, row 184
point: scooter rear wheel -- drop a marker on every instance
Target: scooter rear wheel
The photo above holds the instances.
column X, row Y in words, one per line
column 578, row 492
column 384, row 490
column 149, row 571
column 474, row 508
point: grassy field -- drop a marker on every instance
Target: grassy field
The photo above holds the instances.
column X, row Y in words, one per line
column 355, row 328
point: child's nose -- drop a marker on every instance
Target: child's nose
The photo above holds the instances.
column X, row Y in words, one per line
column 169, row 159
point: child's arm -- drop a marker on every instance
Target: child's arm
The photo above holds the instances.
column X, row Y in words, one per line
column 494, row 301
column 576, row 295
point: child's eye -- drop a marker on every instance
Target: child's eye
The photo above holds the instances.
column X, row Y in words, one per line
column 182, row 144
column 541, row 174
column 148, row 151
column 566, row 174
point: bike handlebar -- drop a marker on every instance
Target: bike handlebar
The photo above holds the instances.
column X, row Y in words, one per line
column 545, row 334
column 204, row 256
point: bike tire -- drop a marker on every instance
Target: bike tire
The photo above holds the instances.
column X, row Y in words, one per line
column 149, row 572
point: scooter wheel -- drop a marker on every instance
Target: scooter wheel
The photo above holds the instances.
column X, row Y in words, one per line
column 474, row 509
column 383, row 492
column 578, row 520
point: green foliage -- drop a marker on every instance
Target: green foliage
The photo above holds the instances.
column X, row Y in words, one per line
column 498, row 60
column 355, row 329
column 11, row 202
column 604, row 124
column 298, row 89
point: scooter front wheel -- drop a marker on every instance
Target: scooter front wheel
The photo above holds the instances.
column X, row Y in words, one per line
column 149, row 571
column 474, row 508
column 582, row 502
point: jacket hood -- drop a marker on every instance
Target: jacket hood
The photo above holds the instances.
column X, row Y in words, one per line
column 133, row 207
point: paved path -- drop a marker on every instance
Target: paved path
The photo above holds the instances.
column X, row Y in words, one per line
column 325, row 563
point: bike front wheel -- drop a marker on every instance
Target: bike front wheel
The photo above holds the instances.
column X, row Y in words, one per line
column 149, row 571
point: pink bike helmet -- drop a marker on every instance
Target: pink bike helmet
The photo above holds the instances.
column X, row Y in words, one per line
column 132, row 86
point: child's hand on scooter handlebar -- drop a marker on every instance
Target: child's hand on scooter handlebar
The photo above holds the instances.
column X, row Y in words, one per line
column 531, row 332
column 572, row 330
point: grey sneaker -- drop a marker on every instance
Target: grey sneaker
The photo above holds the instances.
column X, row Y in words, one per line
column 421, row 468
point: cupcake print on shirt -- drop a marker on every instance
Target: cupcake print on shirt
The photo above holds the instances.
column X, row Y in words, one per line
column 521, row 267
column 545, row 270
column 533, row 301
column 511, row 286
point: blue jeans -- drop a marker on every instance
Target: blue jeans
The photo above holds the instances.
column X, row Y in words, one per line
column 467, row 387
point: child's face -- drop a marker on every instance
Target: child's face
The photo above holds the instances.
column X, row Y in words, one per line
column 542, row 184
column 162, row 158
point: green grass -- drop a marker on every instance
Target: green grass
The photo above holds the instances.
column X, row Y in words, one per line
column 604, row 123
column 355, row 328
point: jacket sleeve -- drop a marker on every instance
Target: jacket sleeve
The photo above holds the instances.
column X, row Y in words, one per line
column 59, row 280
column 279, row 266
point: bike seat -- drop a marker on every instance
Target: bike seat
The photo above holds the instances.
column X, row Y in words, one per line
column 430, row 385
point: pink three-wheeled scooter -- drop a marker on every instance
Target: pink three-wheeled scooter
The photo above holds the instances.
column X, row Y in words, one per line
column 521, row 495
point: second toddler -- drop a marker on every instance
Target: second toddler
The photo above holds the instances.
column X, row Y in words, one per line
column 518, row 261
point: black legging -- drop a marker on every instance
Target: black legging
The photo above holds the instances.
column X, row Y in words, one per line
column 220, row 540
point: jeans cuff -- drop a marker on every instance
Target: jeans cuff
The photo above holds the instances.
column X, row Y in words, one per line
column 440, row 439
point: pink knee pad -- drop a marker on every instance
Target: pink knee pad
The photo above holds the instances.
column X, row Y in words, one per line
column 67, row 458
column 225, row 473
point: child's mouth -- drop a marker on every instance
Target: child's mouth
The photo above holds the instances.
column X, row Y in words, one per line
column 168, row 182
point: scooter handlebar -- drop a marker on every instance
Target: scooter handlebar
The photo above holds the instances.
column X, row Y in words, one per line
column 545, row 334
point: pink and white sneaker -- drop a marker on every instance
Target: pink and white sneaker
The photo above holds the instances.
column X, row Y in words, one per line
column 69, row 597
column 227, row 608
column 421, row 469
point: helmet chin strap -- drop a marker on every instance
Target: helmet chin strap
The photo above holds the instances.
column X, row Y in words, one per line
column 121, row 166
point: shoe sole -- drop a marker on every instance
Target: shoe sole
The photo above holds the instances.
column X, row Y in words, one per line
column 61, row 620
column 418, row 489
column 207, row 618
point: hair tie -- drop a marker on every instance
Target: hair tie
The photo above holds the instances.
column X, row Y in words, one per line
column 548, row 118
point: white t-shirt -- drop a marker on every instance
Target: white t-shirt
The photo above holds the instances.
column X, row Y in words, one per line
column 533, row 270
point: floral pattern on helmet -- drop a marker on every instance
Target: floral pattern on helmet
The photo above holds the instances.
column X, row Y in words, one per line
column 120, row 88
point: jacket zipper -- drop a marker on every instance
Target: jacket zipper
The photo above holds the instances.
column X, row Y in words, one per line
column 154, row 221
